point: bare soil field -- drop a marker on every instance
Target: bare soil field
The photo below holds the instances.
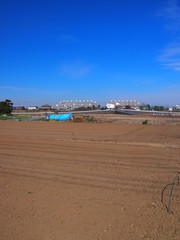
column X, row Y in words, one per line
column 88, row 181
column 137, row 119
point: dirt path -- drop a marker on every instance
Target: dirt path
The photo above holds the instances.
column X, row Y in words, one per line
column 88, row 181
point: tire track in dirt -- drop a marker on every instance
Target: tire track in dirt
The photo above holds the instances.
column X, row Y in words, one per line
column 79, row 172
column 64, row 164
column 111, row 165
column 110, row 142
column 79, row 181
column 53, row 147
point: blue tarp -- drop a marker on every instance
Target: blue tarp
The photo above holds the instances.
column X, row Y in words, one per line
column 60, row 117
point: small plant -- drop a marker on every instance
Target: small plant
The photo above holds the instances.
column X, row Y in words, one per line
column 145, row 122
column 78, row 119
column 83, row 119
column 89, row 119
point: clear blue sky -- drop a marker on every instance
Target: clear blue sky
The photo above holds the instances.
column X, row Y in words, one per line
column 53, row 50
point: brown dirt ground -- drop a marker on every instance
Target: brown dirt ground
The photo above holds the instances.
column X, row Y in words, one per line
column 137, row 119
column 88, row 181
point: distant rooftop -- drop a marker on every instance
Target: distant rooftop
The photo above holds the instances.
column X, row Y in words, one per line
column 132, row 103
column 70, row 104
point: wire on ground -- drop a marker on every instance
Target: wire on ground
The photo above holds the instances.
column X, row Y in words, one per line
column 162, row 193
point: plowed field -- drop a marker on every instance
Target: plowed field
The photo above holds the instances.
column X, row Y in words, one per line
column 88, row 181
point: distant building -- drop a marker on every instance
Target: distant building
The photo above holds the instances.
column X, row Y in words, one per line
column 110, row 105
column 19, row 108
column 122, row 104
column 72, row 105
column 176, row 108
column 45, row 107
column 32, row 108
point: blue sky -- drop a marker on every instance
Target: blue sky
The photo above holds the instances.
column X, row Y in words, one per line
column 54, row 50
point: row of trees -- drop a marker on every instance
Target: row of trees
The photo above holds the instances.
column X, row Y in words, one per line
column 149, row 108
column 155, row 108
column 6, row 107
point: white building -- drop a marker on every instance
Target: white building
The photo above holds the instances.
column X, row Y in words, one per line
column 177, row 107
column 71, row 105
column 122, row 104
column 32, row 108
column 110, row 105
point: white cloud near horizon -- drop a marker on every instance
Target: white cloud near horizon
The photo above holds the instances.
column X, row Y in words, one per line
column 11, row 88
column 31, row 90
column 167, row 96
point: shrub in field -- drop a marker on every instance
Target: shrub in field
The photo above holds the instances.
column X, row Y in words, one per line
column 145, row 122
column 83, row 119
column 90, row 119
